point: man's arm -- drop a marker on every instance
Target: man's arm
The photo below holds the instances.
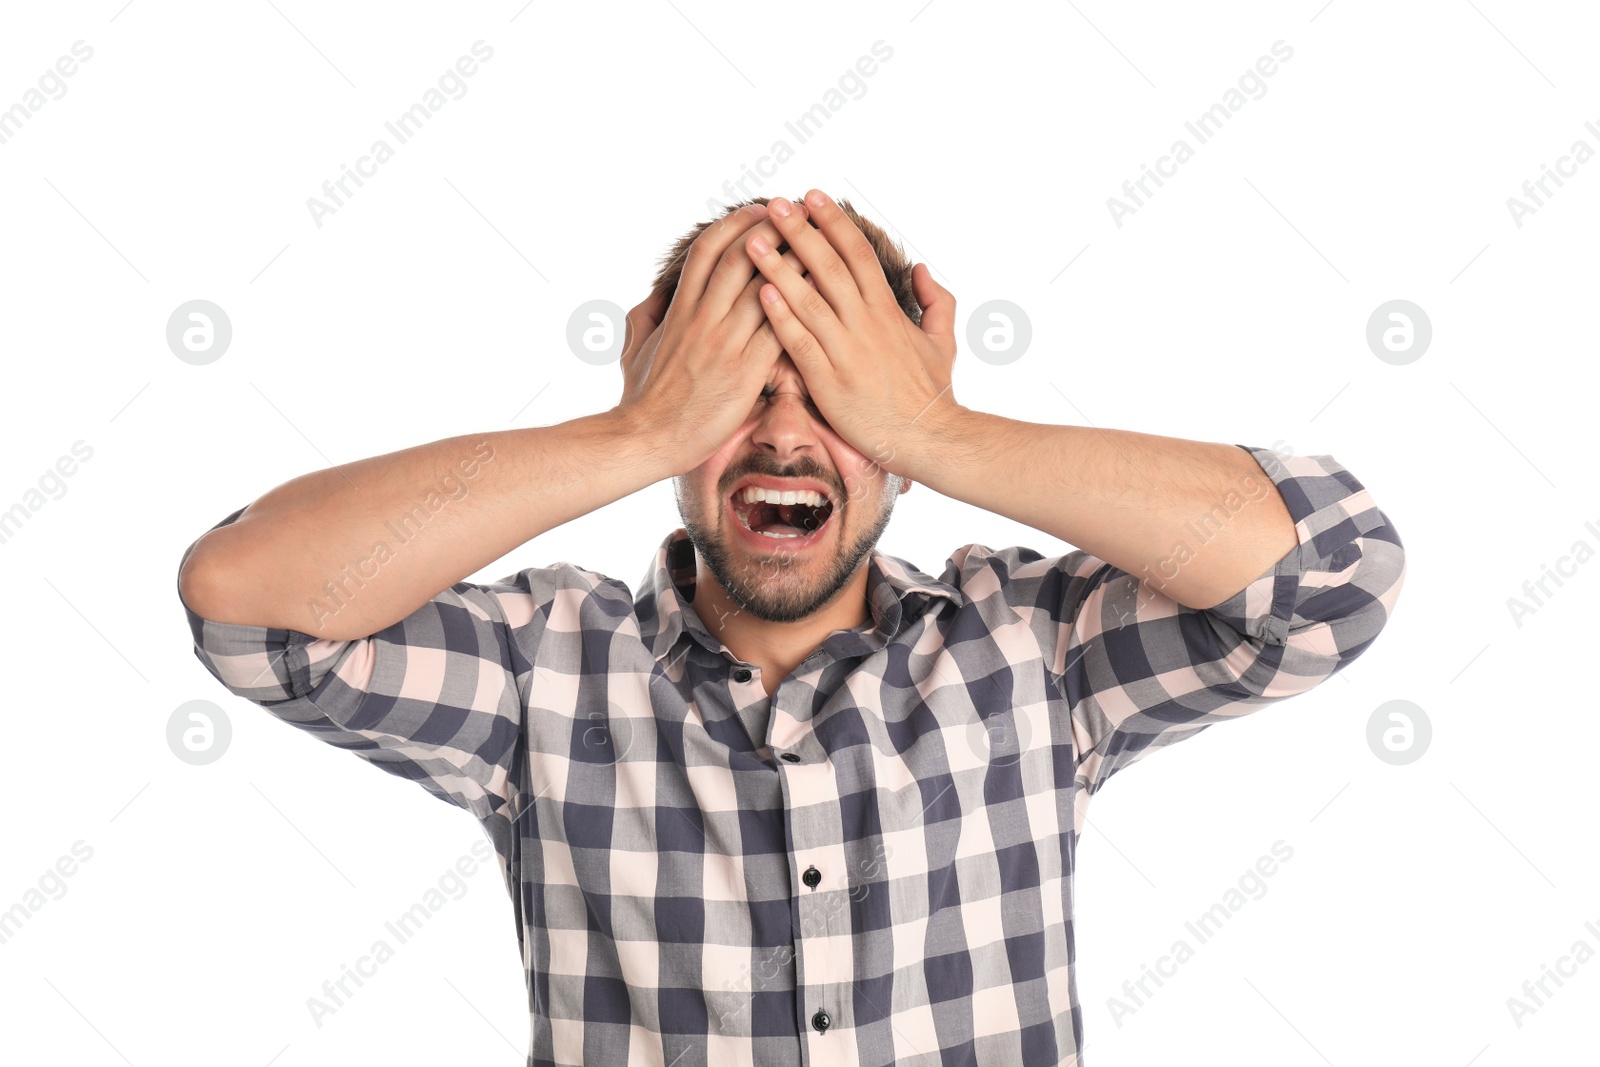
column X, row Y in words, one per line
column 691, row 373
column 1141, row 671
column 1196, row 521
column 269, row 568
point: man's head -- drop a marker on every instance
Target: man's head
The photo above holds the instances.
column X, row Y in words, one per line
column 783, row 562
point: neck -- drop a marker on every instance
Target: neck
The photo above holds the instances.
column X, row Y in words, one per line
column 776, row 647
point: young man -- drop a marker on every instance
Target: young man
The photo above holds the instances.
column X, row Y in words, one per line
column 796, row 801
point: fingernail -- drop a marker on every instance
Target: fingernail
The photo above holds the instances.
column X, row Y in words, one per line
column 816, row 198
column 759, row 244
column 779, row 207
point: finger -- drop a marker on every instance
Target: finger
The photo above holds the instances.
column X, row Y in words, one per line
column 747, row 313
column 938, row 306
column 651, row 309
column 763, row 349
column 852, row 248
column 802, row 300
column 731, row 280
column 706, row 251
column 634, row 346
column 834, row 279
column 799, row 342
column 641, row 322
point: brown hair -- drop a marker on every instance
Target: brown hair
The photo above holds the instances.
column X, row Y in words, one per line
column 896, row 268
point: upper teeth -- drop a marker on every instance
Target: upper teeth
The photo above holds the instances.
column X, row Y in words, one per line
column 754, row 493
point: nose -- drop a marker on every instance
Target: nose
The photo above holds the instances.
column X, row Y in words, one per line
column 784, row 428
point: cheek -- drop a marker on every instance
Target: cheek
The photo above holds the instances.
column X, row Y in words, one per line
column 698, row 488
column 864, row 481
column 850, row 464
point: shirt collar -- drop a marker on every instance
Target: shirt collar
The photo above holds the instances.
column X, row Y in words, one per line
column 896, row 593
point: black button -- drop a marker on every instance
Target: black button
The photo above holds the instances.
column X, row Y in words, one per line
column 791, row 757
column 741, row 675
column 811, row 877
column 820, row 1021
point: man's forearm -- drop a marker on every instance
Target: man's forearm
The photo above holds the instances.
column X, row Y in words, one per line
column 343, row 553
column 1197, row 520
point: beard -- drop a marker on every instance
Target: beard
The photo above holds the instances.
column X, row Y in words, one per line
column 770, row 587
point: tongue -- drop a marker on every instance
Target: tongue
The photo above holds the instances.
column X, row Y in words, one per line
column 783, row 521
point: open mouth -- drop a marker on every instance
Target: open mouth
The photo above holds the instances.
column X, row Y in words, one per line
column 781, row 515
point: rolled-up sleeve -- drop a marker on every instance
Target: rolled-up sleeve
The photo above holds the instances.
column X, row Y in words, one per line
column 1140, row 671
column 434, row 698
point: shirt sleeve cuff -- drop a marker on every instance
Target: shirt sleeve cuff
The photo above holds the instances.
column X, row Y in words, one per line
column 1332, row 592
column 255, row 662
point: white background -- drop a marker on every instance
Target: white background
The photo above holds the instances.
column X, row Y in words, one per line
column 1231, row 307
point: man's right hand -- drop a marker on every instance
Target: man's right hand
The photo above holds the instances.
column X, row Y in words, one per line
column 693, row 371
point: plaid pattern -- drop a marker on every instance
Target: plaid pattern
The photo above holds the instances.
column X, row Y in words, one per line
column 897, row 852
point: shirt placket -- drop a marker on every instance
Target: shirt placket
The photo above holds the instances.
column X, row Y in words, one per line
column 819, row 880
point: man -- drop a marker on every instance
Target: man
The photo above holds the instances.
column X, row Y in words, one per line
column 796, row 801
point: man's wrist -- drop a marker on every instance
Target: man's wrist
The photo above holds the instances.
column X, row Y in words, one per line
column 945, row 436
column 655, row 446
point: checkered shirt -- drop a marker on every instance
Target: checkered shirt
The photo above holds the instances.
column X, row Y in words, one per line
column 887, row 876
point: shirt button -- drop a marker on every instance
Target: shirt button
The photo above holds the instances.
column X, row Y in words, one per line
column 811, row 877
column 791, row 757
column 820, row 1021
column 741, row 675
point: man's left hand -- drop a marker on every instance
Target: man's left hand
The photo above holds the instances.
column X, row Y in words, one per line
column 881, row 382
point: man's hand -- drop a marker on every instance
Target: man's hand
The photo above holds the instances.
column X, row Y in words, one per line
column 692, row 371
column 876, row 377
